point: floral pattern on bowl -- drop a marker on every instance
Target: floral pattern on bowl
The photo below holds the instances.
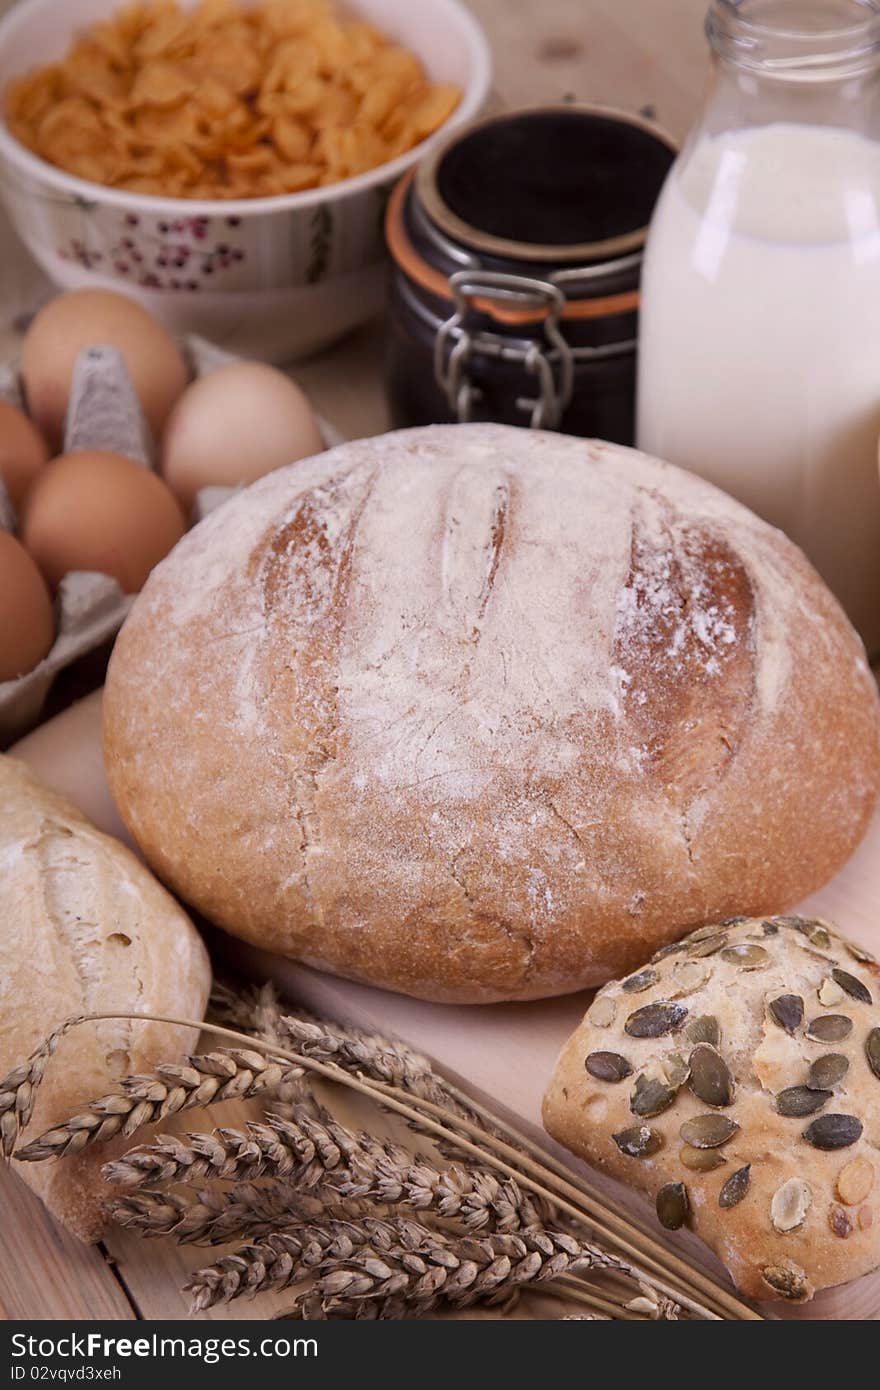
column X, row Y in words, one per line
column 186, row 254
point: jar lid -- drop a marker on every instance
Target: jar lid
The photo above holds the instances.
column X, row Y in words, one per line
column 566, row 184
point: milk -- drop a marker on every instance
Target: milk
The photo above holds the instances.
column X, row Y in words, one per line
column 760, row 351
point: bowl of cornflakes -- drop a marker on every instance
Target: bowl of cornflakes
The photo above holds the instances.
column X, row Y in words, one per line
column 227, row 162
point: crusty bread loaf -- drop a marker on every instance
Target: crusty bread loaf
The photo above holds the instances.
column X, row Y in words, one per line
column 478, row 713
column 84, row 928
column 753, row 1046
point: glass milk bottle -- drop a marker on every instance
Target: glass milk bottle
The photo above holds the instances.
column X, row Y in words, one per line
column 760, row 350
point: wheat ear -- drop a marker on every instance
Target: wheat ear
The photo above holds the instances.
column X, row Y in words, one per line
column 18, row 1090
column 353, row 1165
column 227, row 1074
column 216, row 1216
column 394, row 1258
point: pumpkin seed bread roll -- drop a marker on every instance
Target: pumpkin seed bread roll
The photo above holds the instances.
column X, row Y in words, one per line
column 735, row 1081
column 478, row 713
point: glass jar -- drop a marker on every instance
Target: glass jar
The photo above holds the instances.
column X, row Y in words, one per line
column 516, row 259
column 760, row 333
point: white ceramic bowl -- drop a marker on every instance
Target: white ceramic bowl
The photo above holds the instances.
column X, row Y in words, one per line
column 275, row 278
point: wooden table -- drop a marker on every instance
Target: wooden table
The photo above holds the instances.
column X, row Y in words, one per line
column 634, row 54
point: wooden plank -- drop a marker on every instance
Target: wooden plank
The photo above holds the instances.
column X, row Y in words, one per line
column 44, row 1271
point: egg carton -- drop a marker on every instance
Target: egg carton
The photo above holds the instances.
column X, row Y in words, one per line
column 90, row 608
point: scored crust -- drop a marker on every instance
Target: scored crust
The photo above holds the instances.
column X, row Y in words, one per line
column 478, row 713
column 801, row 1217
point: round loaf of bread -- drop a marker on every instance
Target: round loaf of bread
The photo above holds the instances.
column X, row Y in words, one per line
column 478, row 713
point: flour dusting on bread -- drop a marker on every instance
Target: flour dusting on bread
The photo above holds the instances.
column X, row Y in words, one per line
column 481, row 713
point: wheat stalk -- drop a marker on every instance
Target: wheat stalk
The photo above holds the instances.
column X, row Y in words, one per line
column 281, row 1260
column 254, row 1008
column 367, row 1054
column 226, row 1074
column 381, row 1058
column 18, row 1090
column 391, row 1175
column 277, row 1149
column 389, row 1062
column 658, row 1265
column 395, row 1258
column 312, row 1307
column 216, row 1216
column 385, row 1060
column 353, row 1166
column 356, row 1050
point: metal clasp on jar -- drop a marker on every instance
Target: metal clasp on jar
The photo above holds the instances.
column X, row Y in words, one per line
column 550, row 363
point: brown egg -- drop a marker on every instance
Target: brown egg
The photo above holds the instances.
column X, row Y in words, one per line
column 23, row 452
column 94, row 511
column 27, row 628
column 234, row 426
column 98, row 318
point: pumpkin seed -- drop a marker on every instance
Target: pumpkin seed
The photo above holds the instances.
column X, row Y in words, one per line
column 733, row 921
column 853, row 987
column 705, row 1029
column 642, row 981
column 833, row 1131
column 788, row 1011
column 815, row 933
column 655, row 1020
column 828, row 1071
column 608, row 1066
column 829, row 1028
column 709, row 932
column 688, row 976
column 676, row 1070
column 736, row 1187
column 790, row 1204
column 672, row 1206
column 865, row 1218
column 700, row 1160
column 708, row 946
column 859, row 953
column 603, row 1011
column 708, row 1131
column 710, row 1081
column 673, row 949
column 639, row 1141
column 855, row 1181
column 830, row 993
column 650, row 1097
column 789, row 1281
column 746, row 955
column 797, row 1101
column 872, row 1051
column 839, row 1221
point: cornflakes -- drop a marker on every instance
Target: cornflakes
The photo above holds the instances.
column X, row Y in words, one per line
column 221, row 101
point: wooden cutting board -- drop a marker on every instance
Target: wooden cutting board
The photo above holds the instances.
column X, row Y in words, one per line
column 503, row 1053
